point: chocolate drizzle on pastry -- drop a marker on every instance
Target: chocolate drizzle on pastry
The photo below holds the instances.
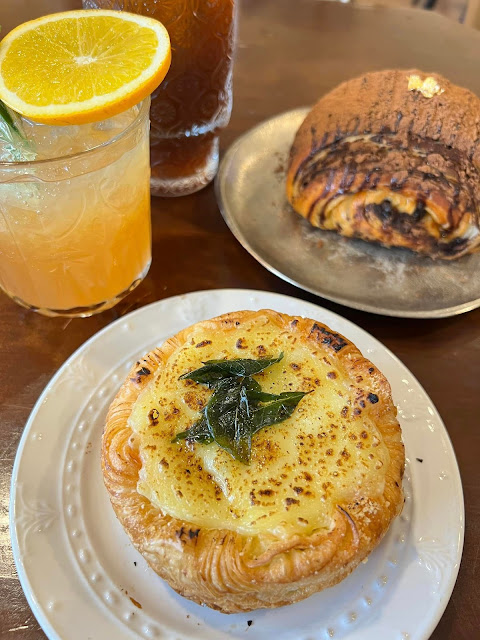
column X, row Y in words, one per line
column 378, row 161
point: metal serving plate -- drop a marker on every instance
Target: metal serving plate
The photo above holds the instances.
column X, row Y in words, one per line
column 250, row 188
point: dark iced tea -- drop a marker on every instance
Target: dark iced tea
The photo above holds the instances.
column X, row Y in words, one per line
column 195, row 99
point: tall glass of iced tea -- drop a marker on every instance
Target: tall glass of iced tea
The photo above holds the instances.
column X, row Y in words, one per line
column 195, row 100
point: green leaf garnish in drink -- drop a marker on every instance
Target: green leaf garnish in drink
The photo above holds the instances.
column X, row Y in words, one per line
column 14, row 147
column 238, row 408
column 11, row 137
column 7, row 119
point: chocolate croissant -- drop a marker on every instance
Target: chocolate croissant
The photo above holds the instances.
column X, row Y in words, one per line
column 392, row 157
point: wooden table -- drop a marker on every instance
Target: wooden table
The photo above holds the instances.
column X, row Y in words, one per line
column 290, row 52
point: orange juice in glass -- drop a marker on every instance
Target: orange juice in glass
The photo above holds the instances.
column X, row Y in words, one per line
column 75, row 221
column 75, row 231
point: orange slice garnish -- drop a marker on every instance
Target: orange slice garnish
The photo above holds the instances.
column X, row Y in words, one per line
column 82, row 66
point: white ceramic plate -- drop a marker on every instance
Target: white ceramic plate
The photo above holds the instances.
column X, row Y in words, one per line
column 82, row 577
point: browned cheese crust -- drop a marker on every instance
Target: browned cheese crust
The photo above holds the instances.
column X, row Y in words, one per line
column 377, row 161
column 221, row 568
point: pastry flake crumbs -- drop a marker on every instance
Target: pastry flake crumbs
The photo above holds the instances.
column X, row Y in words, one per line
column 428, row 87
column 135, row 602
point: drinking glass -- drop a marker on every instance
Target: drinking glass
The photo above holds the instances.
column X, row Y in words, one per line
column 195, row 100
column 75, row 232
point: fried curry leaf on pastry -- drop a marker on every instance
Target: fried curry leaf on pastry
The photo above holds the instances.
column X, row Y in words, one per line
column 392, row 157
column 237, row 408
column 321, row 486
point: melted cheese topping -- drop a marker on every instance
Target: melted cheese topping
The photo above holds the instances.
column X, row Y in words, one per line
column 323, row 455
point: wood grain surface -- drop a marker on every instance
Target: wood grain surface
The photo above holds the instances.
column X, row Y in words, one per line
column 289, row 53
